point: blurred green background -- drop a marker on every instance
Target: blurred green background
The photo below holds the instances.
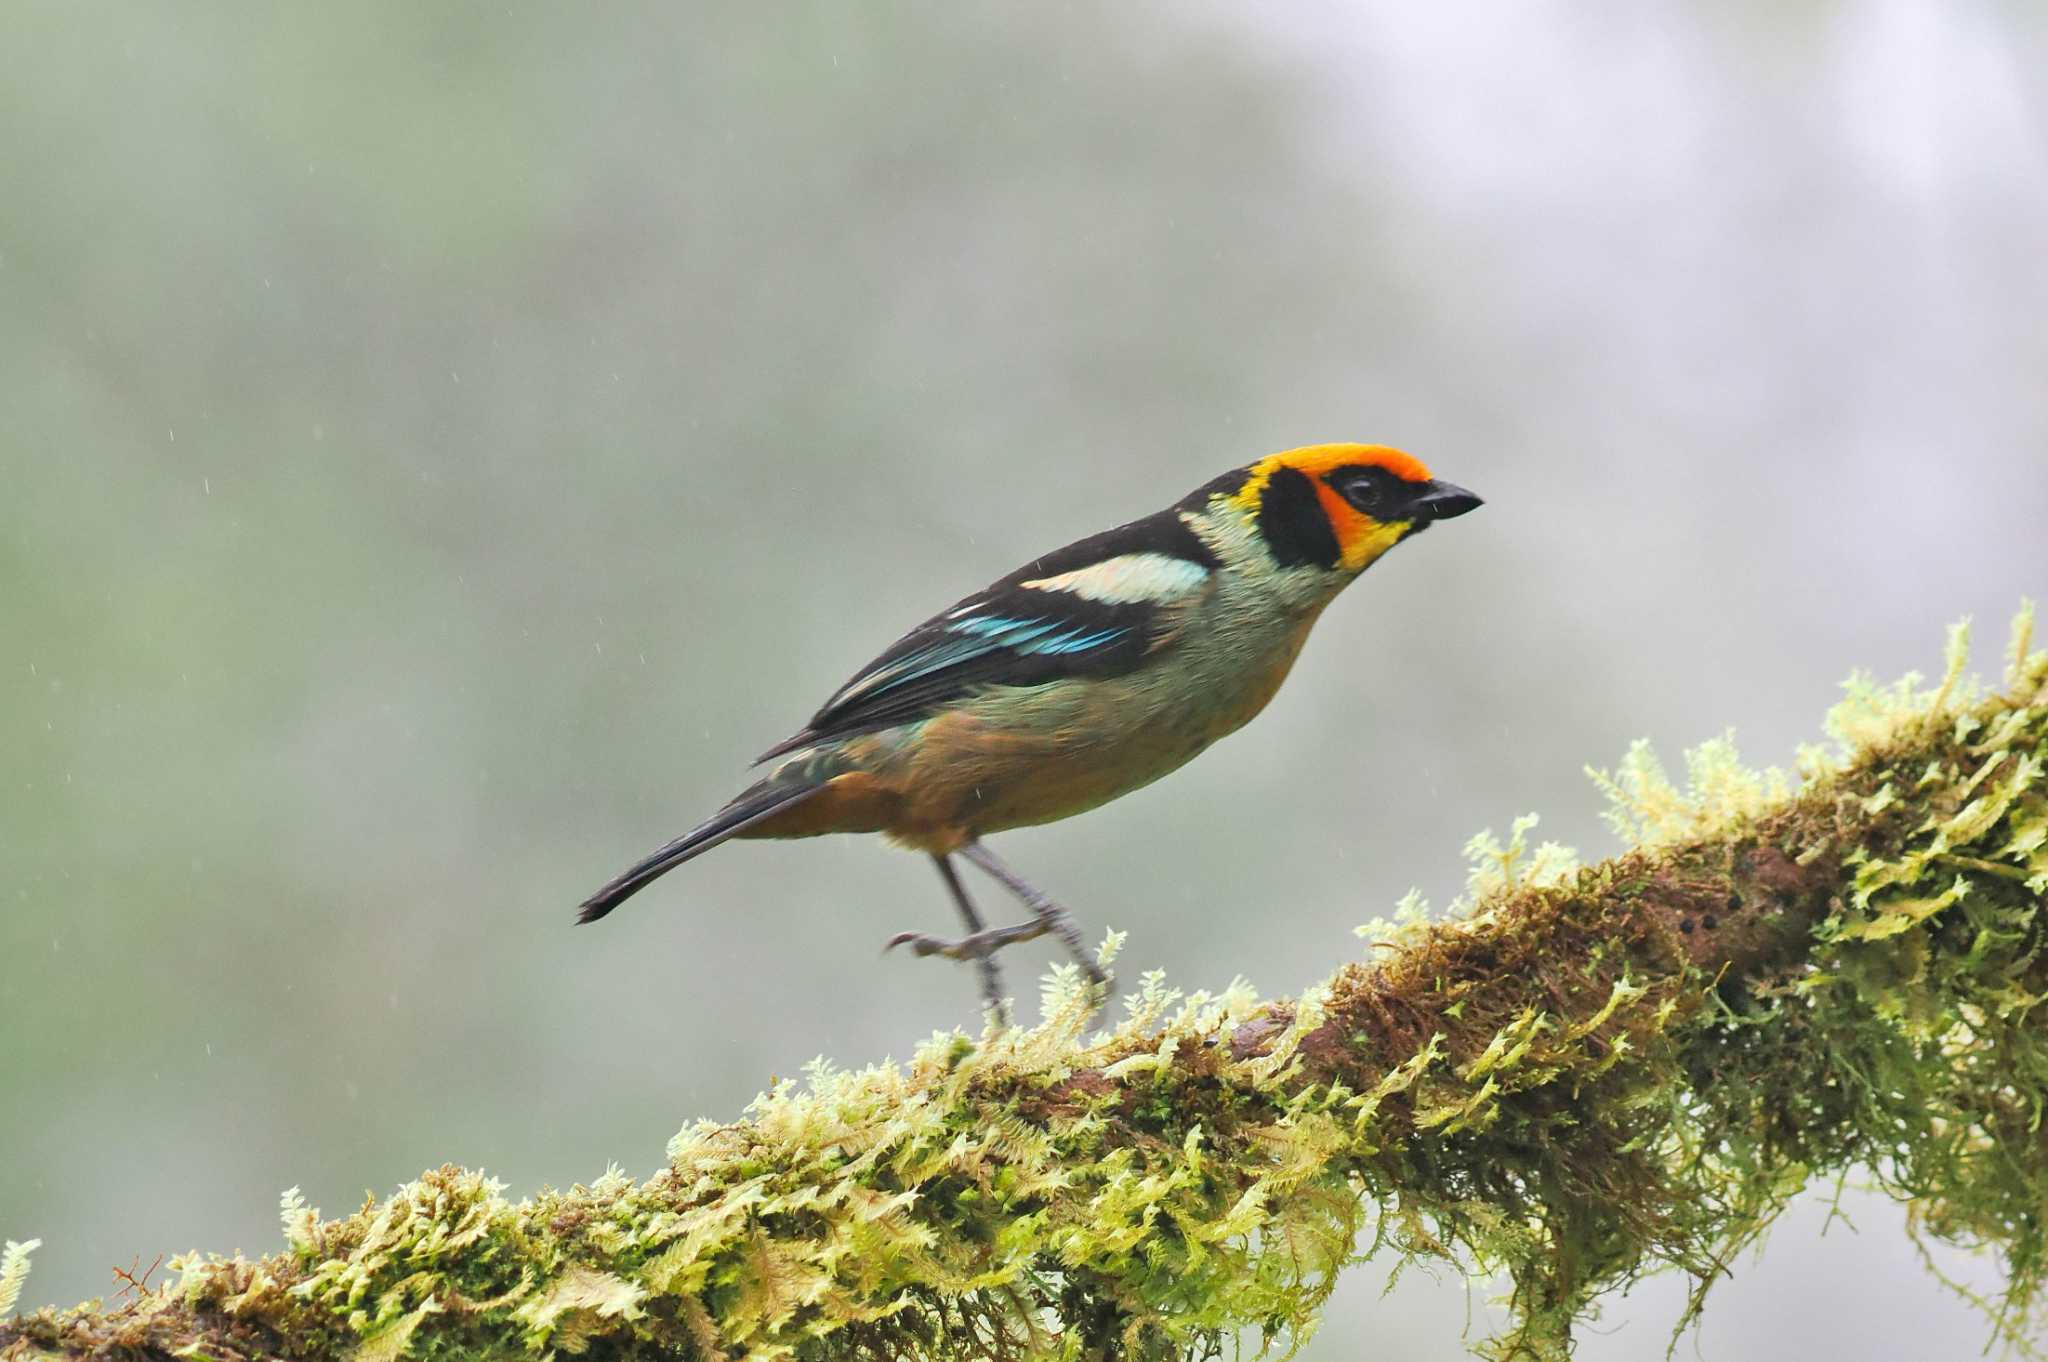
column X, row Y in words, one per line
column 443, row 443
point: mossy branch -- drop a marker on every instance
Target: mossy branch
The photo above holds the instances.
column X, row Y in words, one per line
column 1588, row 1075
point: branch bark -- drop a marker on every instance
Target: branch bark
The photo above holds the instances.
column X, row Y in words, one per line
column 1627, row 1069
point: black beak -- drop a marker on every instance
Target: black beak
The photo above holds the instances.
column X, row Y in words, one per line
column 1442, row 500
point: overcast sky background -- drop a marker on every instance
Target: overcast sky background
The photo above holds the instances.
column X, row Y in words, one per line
column 443, row 444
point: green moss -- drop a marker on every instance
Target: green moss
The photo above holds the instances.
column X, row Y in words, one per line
column 1586, row 1075
column 14, row 1271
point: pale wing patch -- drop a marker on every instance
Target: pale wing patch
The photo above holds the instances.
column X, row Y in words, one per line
column 1129, row 579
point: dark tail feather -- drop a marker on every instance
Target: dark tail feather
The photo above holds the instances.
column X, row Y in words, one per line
column 735, row 818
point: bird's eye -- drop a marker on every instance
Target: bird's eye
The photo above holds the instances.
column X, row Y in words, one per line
column 1367, row 490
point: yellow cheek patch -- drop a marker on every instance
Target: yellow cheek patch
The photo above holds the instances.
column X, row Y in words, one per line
column 1381, row 536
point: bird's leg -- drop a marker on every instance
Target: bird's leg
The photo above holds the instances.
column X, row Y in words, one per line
column 982, row 942
column 1050, row 916
column 985, row 963
column 979, row 945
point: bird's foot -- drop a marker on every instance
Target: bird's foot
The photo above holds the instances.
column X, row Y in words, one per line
column 1057, row 922
column 975, row 946
column 1051, row 917
column 981, row 946
column 981, row 943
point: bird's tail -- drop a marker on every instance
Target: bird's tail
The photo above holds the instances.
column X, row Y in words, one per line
column 761, row 802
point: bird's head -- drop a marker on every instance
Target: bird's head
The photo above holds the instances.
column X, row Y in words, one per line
column 1336, row 507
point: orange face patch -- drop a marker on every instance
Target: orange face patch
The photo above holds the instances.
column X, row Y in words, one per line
column 1360, row 538
column 1353, row 527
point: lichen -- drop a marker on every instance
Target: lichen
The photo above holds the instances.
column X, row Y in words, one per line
column 1585, row 1075
column 14, row 1271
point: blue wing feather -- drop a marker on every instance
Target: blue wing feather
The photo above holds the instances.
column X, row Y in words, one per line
column 963, row 639
column 1013, row 635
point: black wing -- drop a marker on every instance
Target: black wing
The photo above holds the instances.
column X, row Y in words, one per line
column 1093, row 608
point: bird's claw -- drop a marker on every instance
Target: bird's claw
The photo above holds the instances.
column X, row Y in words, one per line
column 922, row 945
column 982, row 946
column 981, row 943
column 977, row 946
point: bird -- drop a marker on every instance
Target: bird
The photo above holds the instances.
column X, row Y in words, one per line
column 1088, row 673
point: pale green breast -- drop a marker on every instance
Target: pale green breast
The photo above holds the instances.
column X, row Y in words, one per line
column 1023, row 755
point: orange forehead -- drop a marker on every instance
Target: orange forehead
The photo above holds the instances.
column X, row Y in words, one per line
column 1317, row 460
